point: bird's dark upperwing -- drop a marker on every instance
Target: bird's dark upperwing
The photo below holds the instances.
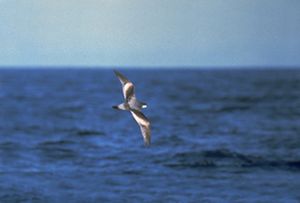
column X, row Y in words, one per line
column 121, row 77
column 144, row 124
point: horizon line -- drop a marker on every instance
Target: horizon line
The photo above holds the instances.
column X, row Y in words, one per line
column 148, row 67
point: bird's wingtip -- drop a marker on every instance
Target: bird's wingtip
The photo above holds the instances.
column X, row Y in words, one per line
column 147, row 143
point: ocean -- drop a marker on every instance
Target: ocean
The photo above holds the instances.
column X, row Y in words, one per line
column 228, row 135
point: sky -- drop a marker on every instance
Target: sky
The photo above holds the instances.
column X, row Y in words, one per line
column 156, row 33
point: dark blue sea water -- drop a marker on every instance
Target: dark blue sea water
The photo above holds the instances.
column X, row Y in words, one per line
column 217, row 136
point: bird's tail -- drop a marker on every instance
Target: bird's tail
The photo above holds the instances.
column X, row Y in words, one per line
column 137, row 105
column 143, row 105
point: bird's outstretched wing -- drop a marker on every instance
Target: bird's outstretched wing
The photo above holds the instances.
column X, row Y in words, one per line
column 127, row 86
column 144, row 124
column 121, row 77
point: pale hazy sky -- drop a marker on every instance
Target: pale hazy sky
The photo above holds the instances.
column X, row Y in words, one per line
column 150, row 32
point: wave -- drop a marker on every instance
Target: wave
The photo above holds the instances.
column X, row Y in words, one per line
column 225, row 158
column 10, row 146
column 55, row 143
column 232, row 108
column 89, row 132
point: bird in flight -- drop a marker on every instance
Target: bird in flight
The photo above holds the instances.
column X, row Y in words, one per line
column 134, row 106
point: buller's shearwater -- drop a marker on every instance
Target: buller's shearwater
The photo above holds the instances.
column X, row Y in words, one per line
column 134, row 106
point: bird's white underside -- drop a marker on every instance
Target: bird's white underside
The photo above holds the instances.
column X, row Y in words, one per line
column 126, row 87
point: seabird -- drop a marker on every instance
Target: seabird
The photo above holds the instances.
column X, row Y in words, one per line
column 134, row 106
